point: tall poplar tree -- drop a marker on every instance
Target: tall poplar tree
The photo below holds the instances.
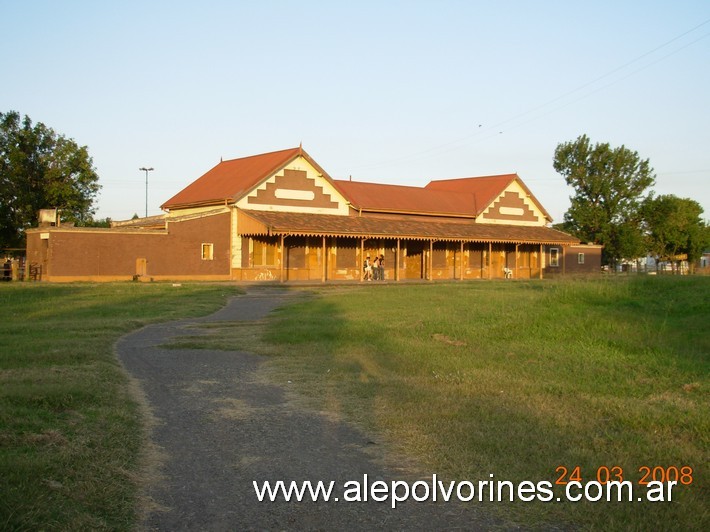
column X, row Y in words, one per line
column 41, row 169
column 609, row 186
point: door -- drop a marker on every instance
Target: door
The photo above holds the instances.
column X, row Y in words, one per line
column 141, row 267
column 415, row 260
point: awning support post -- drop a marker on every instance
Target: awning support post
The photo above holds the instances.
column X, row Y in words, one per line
column 461, row 262
column 430, row 260
column 322, row 279
column 490, row 259
column 283, row 259
column 362, row 259
column 396, row 266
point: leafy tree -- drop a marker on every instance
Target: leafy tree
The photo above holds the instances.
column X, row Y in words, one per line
column 675, row 227
column 41, row 169
column 100, row 222
column 608, row 184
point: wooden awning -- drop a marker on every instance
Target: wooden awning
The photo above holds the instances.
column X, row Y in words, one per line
column 269, row 223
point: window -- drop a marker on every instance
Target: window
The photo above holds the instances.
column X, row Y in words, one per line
column 207, row 251
column 580, row 258
column 554, row 257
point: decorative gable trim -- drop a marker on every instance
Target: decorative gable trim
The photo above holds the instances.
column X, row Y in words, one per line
column 293, row 188
column 510, row 206
column 516, row 206
column 298, row 187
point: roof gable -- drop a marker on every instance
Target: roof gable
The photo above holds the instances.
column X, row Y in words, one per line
column 496, row 196
column 230, row 180
column 484, row 189
column 299, row 186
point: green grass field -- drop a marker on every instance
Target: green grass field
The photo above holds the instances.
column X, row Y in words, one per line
column 517, row 380
column 513, row 379
column 70, row 431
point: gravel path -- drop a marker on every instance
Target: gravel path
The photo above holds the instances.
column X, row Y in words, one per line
column 222, row 426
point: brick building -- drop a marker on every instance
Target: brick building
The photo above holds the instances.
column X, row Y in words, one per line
column 280, row 216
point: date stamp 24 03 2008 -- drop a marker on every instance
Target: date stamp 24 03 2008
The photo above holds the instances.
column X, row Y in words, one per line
column 658, row 482
column 682, row 475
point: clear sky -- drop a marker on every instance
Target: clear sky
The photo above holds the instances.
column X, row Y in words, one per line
column 397, row 92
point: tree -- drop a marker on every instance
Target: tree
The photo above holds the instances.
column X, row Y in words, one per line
column 674, row 227
column 608, row 184
column 100, row 222
column 41, row 169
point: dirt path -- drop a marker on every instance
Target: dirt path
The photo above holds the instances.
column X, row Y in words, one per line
column 222, row 427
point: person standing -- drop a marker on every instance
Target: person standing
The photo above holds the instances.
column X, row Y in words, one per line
column 367, row 268
column 381, row 268
column 376, row 268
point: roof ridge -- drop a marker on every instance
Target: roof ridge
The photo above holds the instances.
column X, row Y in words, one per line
column 260, row 155
column 228, row 179
column 471, row 178
column 378, row 184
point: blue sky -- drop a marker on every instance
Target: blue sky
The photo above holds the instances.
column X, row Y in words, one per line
column 388, row 92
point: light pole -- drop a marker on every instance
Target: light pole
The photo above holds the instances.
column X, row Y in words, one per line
column 146, row 170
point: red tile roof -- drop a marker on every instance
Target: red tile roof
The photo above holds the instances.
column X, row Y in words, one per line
column 230, row 179
column 402, row 199
column 485, row 188
column 466, row 197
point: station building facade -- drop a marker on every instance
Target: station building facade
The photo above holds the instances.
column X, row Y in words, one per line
column 279, row 216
